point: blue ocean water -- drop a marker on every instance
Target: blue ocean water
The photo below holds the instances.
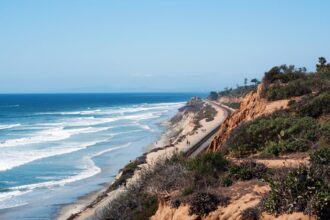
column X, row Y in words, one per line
column 56, row 148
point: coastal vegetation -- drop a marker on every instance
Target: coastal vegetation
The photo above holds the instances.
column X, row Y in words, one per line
column 231, row 97
column 192, row 180
column 303, row 126
column 199, row 109
column 274, row 135
column 132, row 204
column 207, row 181
column 296, row 129
column 283, row 82
column 314, row 106
column 204, row 203
column 239, row 91
column 304, row 189
column 233, row 105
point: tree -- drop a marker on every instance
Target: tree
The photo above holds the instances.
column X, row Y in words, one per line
column 322, row 66
column 245, row 81
column 322, row 61
column 302, row 69
column 255, row 81
column 213, row 95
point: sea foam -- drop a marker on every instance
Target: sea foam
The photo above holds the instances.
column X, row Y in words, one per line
column 12, row 159
column 53, row 134
column 89, row 170
column 2, row 127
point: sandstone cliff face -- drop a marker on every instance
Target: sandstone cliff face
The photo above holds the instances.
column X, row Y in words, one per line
column 244, row 195
column 165, row 212
column 252, row 106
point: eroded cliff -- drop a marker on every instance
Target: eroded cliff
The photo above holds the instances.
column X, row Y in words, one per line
column 251, row 107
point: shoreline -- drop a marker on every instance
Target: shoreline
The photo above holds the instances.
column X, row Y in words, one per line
column 169, row 142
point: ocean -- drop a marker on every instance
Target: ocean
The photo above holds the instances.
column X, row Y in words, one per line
column 55, row 148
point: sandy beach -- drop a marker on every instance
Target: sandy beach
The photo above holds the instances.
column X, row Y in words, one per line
column 87, row 206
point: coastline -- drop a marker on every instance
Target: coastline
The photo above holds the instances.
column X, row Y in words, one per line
column 174, row 139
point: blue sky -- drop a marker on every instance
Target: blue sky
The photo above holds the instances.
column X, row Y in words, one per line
column 156, row 45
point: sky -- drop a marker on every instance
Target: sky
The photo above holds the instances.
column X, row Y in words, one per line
column 154, row 45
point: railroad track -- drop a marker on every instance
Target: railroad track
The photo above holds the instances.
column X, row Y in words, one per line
column 190, row 152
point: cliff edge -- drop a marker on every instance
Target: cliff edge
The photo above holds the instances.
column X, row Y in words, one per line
column 253, row 105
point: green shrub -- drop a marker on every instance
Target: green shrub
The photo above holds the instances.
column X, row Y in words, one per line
column 283, row 82
column 305, row 189
column 187, row 191
column 288, row 192
column 292, row 89
column 275, row 134
column 247, row 171
column 209, row 113
column 317, row 106
column 323, row 67
column 320, row 157
column 203, row 203
column 325, row 129
column 240, row 91
column 167, row 176
column 234, row 105
column 286, row 146
column 250, row 214
column 130, row 206
column 272, row 148
column 320, row 205
column 240, row 173
column 140, row 199
column 320, row 163
column 298, row 191
column 208, row 164
column 213, row 96
column 127, row 172
column 284, row 74
column 318, row 83
column 226, row 181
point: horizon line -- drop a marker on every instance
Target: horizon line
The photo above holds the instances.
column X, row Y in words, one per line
column 125, row 92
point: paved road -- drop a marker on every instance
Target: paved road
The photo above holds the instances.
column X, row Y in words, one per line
column 206, row 140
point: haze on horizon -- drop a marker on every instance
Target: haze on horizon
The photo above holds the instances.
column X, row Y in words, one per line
column 154, row 46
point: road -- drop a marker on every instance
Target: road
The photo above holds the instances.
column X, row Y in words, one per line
column 206, row 140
